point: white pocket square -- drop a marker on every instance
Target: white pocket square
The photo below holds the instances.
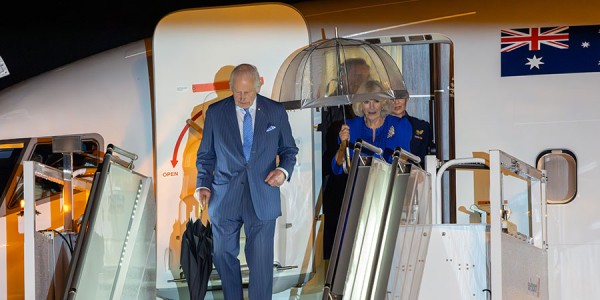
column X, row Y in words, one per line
column 270, row 128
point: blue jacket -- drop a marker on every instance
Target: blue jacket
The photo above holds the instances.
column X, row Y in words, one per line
column 395, row 132
column 222, row 166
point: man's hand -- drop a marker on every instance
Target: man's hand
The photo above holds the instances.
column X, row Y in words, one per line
column 275, row 178
column 203, row 196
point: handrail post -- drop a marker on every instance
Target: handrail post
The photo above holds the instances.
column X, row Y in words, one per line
column 29, row 231
column 67, row 145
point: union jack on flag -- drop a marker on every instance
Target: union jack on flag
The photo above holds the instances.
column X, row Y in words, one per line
column 549, row 50
column 534, row 37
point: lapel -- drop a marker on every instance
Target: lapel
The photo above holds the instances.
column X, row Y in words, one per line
column 230, row 117
column 260, row 124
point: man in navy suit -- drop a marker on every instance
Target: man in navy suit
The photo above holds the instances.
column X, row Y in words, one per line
column 247, row 152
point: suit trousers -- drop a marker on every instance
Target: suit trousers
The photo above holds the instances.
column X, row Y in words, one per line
column 259, row 250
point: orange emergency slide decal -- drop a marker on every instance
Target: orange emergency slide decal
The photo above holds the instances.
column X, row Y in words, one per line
column 214, row 86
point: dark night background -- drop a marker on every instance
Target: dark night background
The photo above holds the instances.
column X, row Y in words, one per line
column 36, row 37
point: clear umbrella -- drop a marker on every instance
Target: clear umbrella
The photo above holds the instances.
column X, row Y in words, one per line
column 330, row 72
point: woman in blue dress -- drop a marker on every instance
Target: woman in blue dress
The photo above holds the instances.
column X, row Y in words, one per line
column 374, row 125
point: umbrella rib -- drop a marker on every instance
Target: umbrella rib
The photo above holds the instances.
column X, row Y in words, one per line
column 310, row 51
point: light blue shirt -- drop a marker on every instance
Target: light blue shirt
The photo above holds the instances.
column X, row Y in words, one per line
column 240, row 117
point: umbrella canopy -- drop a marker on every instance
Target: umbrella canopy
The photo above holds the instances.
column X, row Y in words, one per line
column 330, row 72
column 196, row 257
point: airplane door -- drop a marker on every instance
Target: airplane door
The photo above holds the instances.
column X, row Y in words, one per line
column 194, row 52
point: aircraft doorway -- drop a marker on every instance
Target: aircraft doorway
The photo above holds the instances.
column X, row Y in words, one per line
column 426, row 62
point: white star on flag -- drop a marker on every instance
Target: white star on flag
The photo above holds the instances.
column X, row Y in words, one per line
column 534, row 62
column 585, row 44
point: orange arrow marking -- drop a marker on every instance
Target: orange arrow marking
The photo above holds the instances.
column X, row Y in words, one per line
column 174, row 161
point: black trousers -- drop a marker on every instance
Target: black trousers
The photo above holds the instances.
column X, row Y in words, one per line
column 333, row 196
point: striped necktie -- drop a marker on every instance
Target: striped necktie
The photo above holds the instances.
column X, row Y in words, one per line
column 248, row 132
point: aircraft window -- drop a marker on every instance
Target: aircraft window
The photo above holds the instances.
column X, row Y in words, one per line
column 9, row 157
column 42, row 153
column 561, row 170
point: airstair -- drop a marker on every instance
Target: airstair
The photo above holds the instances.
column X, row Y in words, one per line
column 109, row 252
column 391, row 242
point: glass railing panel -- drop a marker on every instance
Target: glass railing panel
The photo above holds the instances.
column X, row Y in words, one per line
column 515, row 193
column 362, row 258
column 117, row 259
column 390, row 234
column 139, row 280
column 412, row 240
column 521, row 194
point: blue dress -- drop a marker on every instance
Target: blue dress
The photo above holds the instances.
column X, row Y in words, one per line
column 395, row 132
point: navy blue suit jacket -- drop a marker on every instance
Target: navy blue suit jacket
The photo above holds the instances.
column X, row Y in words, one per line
column 221, row 164
column 422, row 139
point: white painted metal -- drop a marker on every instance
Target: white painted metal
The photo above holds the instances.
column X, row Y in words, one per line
column 431, row 166
column 438, row 182
column 29, row 231
column 544, row 206
column 456, row 263
column 539, row 213
column 525, row 270
column 495, row 230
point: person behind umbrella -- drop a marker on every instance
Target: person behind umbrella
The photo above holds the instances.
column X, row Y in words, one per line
column 421, row 143
column 357, row 72
column 239, row 180
column 374, row 125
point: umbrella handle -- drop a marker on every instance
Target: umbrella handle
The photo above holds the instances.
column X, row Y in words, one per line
column 201, row 208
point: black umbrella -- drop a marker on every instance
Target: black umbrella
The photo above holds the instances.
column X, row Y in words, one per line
column 196, row 257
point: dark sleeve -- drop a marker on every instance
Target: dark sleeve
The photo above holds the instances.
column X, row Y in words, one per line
column 422, row 140
column 428, row 136
column 287, row 149
column 331, row 123
column 205, row 158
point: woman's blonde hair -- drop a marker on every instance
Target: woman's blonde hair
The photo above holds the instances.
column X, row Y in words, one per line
column 371, row 86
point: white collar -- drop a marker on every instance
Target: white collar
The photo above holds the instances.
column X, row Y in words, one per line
column 252, row 107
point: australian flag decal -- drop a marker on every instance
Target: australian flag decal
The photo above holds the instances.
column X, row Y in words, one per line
column 550, row 50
